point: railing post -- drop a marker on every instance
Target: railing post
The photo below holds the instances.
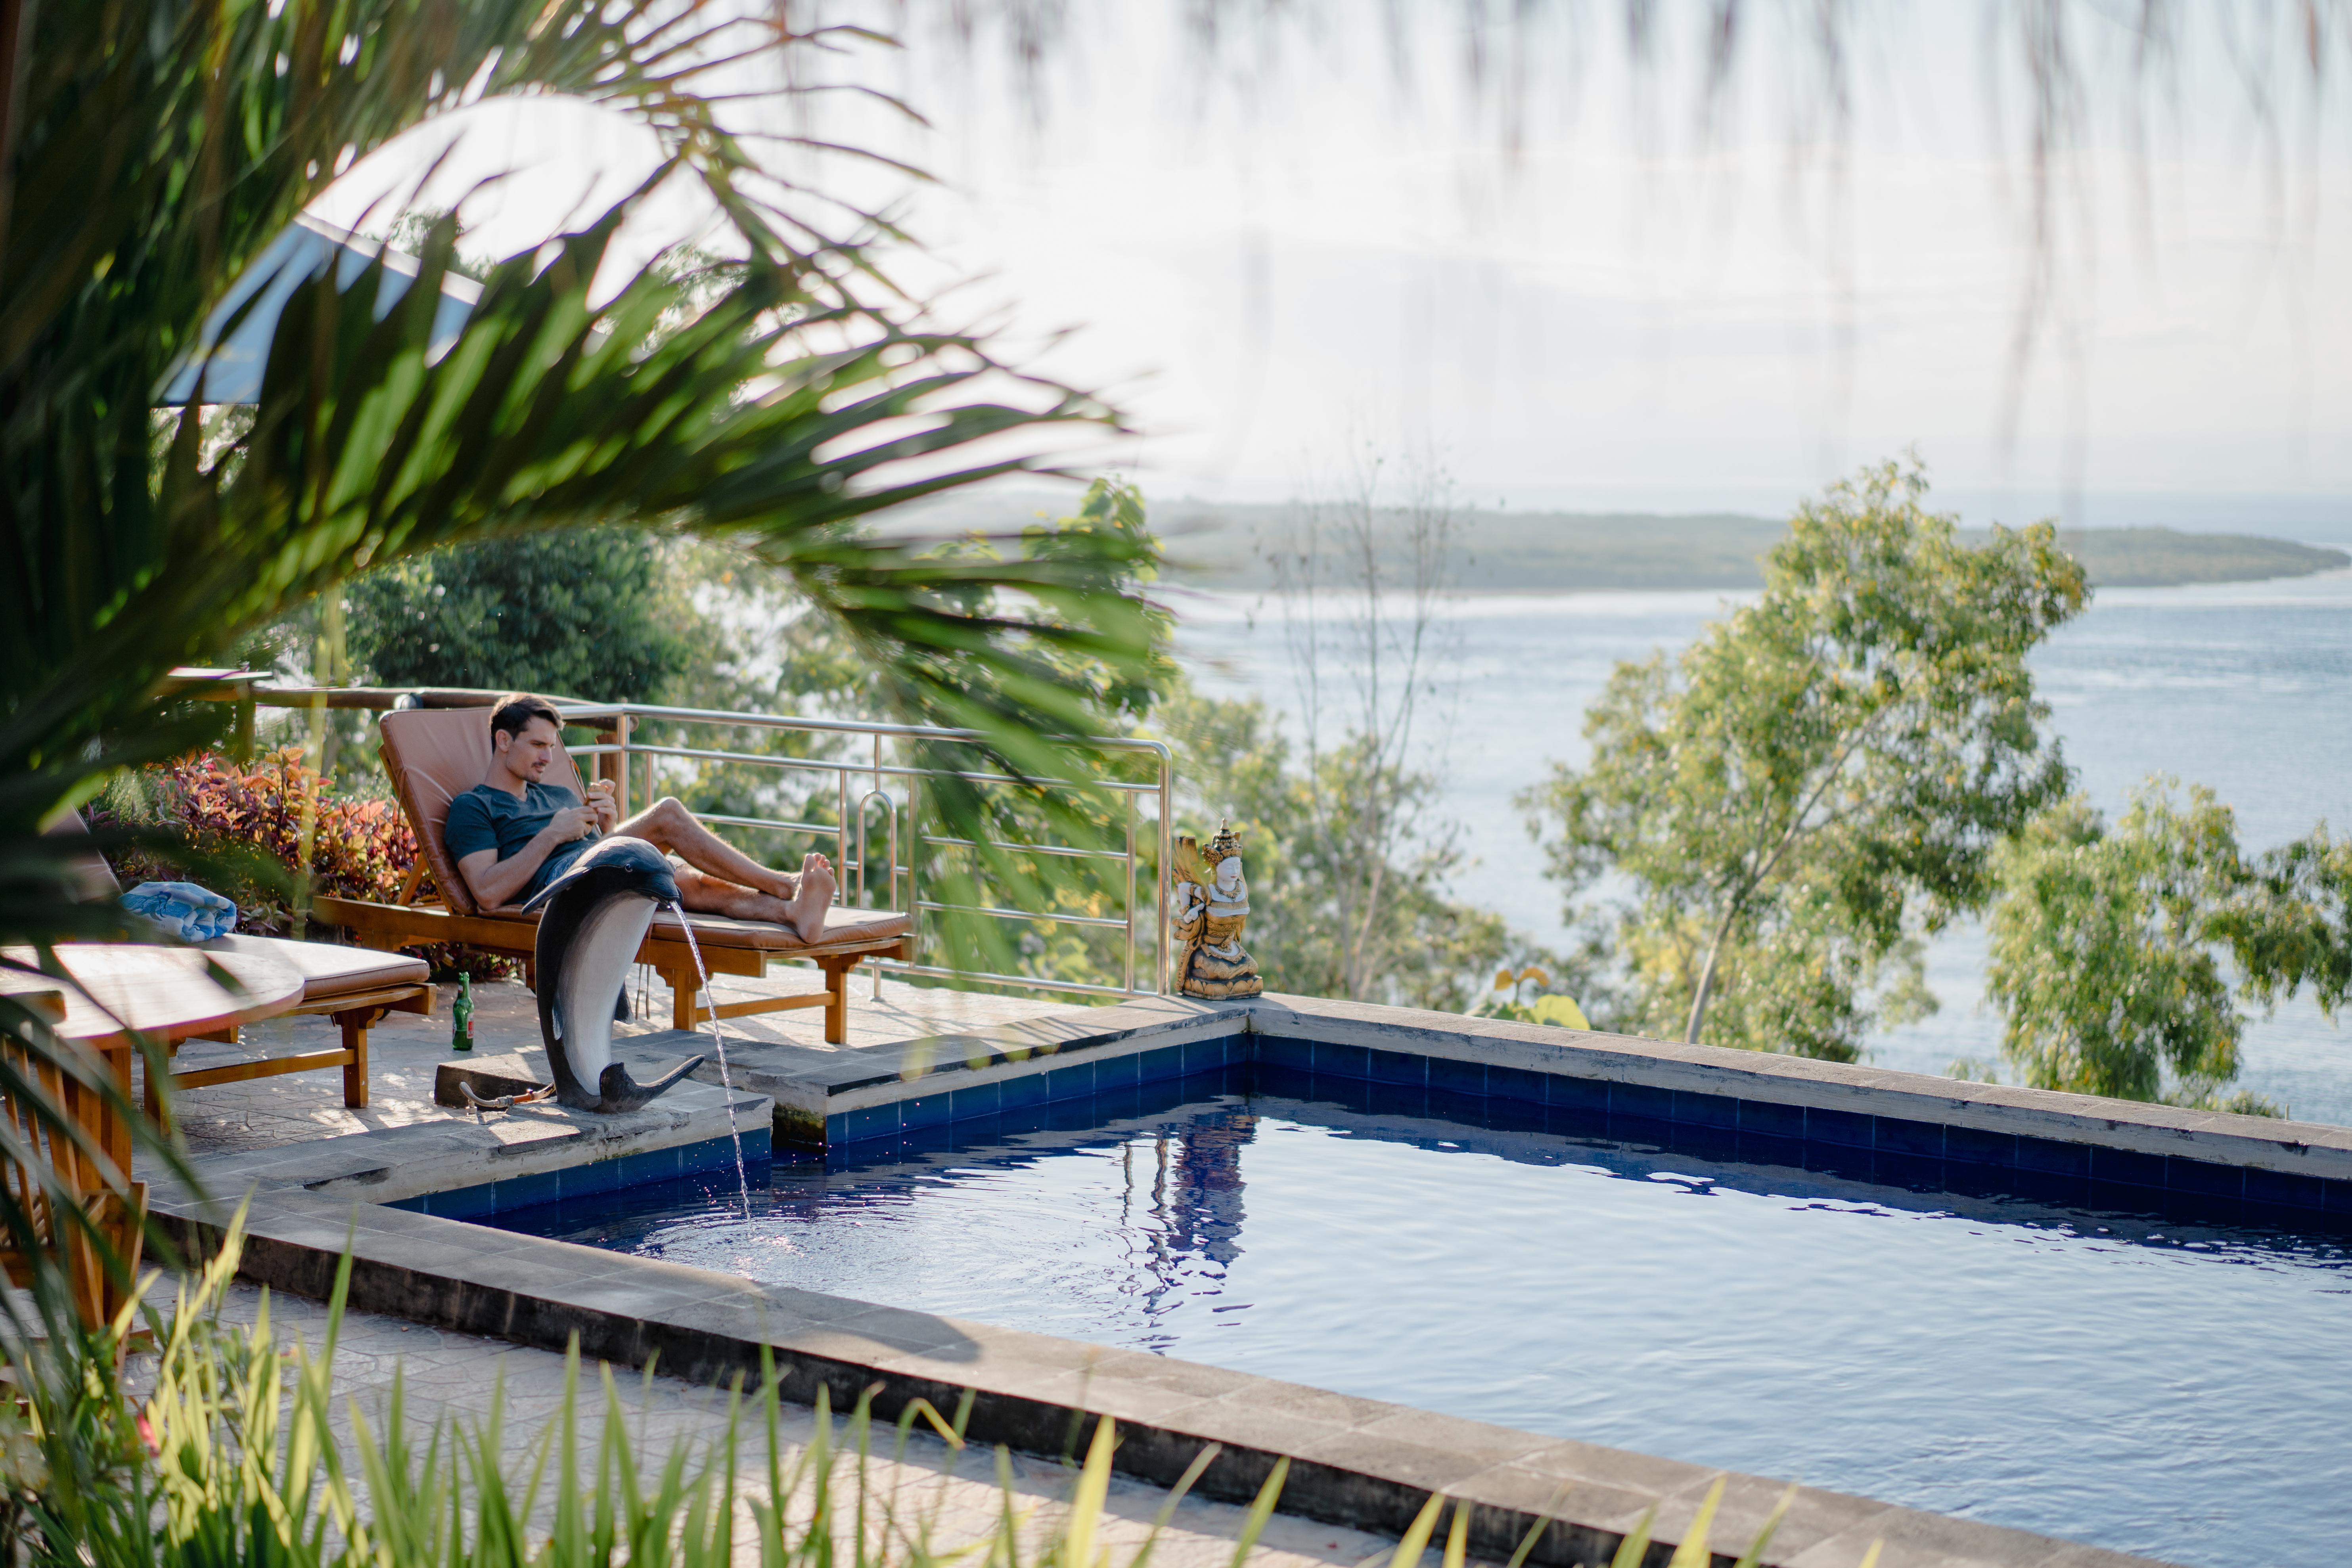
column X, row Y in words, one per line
column 1167, row 848
column 1128, row 981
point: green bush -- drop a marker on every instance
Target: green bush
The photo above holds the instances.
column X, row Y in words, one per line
column 590, row 612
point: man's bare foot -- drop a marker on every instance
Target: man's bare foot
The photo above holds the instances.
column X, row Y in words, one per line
column 809, row 901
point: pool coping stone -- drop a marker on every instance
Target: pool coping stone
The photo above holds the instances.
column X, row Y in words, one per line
column 1361, row 1462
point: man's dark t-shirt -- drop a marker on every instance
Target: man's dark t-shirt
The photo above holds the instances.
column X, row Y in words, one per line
column 486, row 818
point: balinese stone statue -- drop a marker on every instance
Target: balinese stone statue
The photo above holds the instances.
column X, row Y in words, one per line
column 1208, row 906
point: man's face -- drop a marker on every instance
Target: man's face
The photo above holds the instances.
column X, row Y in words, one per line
column 528, row 753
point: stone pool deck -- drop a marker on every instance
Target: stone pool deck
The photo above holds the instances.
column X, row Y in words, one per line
column 451, row 1376
column 927, row 1059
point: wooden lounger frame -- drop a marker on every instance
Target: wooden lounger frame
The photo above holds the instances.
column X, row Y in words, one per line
column 391, row 926
column 353, row 1012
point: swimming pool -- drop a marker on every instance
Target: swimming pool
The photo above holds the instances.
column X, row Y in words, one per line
column 2136, row 1382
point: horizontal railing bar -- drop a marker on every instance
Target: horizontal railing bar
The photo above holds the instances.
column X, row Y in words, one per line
column 1080, row 988
column 1021, row 915
column 889, row 770
column 1026, row 849
column 776, row 823
column 834, row 726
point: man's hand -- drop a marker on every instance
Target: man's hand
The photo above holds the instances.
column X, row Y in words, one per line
column 571, row 822
column 600, row 800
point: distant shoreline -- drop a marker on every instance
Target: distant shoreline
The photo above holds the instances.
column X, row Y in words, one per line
column 1227, row 548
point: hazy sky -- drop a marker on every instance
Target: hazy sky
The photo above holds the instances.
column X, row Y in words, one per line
column 1269, row 273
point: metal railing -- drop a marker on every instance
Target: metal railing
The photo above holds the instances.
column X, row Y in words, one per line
column 860, row 784
column 632, row 763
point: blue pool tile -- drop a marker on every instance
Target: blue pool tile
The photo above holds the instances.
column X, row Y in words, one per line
column 1298, row 1056
column 1577, row 1122
column 1896, row 1135
column 871, row 1121
column 1654, row 1130
column 926, row 1111
column 836, row 1129
column 1359, row 1095
column 1282, row 1082
column 1706, row 1110
column 2050, row 1186
column 1719, row 1144
column 1764, row 1116
column 2288, row 1189
column 1839, row 1160
column 1123, row 1071
column 1980, row 1179
column 1457, row 1077
column 1510, row 1115
column 1589, row 1095
column 1202, row 1056
column 589, row 1181
column 1450, row 1105
column 976, row 1100
column 1976, row 1146
column 2124, row 1198
column 1028, row 1088
column 1919, row 1172
column 1641, row 1100
column 2335, row 1196
column 1123, row 1104
column 1845, row 1127
column 1518, row 1084
column 1073, row 1081
column 526, row 1192
column 1384, row 1098
column 1160, row 1065
column 2050, row 1156
column 2126, row 1167
column 1770, row 1149
column 2204, row 1178
column 979, row 1131
column 1342, row 1061
column 1400, row 1067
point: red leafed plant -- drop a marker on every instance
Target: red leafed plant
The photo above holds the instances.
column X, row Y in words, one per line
column 358, row 849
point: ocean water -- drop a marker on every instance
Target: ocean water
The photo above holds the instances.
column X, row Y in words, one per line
column 2245, row 688
column 2140, row 1385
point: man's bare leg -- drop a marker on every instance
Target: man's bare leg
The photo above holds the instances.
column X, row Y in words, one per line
column 735, row 884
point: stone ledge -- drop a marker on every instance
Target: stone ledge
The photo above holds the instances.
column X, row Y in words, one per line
column 1354, row 1461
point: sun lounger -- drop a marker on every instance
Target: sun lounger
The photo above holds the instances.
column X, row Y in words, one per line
column 434, row 754
column 356, row 986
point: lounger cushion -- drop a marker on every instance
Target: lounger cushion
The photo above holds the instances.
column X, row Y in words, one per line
column 840, row 925
column 329, row 972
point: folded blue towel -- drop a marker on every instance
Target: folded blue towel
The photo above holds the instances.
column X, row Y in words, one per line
column 183, row 910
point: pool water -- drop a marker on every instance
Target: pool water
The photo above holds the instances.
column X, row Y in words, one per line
column 2182, row 1391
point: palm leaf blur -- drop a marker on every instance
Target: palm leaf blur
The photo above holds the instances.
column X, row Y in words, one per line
column 160, row 145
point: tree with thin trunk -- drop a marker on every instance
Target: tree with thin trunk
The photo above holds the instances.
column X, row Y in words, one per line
column 1820, row 778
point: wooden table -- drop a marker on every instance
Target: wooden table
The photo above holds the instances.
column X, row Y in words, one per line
column 164, row 993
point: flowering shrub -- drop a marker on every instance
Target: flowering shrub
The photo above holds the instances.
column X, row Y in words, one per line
column 359, row 848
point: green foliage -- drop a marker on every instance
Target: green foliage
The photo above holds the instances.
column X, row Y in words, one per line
column 2120, row 955
column 234, row 1456
column 590, row 613
column 1422, row 948
column 159, row 147
column 1821, row 777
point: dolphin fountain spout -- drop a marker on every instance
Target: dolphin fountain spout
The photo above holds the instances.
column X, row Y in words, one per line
column 595, row 917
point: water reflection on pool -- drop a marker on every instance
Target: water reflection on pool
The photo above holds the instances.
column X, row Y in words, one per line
column 2181, row 1391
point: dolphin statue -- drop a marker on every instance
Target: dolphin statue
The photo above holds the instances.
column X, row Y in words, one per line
column 595, row 917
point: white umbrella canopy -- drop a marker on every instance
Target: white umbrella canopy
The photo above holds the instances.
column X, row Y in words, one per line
column 232, row 366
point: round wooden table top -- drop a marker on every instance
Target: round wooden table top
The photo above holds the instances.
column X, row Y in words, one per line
column 169, row 993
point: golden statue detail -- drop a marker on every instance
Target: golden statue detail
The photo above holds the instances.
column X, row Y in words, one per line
column 1207, row 906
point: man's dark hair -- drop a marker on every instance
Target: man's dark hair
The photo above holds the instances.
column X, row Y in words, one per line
column 514, row 713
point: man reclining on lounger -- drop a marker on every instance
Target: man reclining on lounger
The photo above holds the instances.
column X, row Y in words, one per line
column 511, row 834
